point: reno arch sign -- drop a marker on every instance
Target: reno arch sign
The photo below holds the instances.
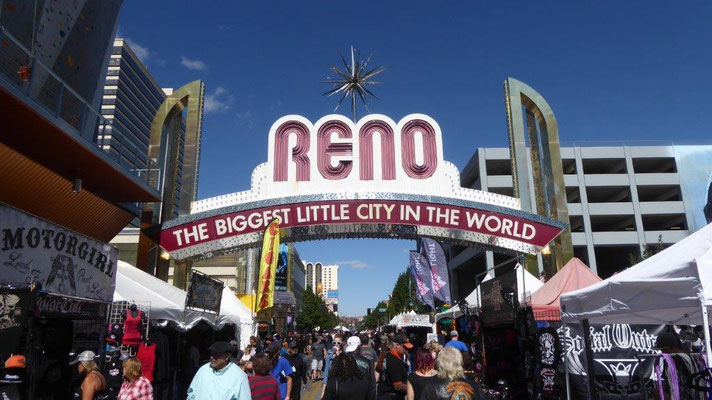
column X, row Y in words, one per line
column 339, row 179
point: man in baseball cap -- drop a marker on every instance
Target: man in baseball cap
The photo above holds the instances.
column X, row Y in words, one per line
column 219, row 379
column 299, row 369
column 395, row 369
column 454, row 342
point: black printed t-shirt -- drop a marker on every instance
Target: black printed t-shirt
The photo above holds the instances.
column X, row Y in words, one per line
column 394, row 370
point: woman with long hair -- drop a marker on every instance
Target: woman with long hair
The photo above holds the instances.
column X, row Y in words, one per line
column 135, row 386
column 281, row 369
column 424, row 374
column 347, row 381
column 451, row 382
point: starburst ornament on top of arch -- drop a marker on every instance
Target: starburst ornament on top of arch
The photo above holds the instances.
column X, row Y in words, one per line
column 352, row 81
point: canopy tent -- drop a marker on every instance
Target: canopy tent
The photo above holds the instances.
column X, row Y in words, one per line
column 573, row 276
column 167, row 302
column 411, row 319
column 342, row 328
column 526, row 283
column 668, row 288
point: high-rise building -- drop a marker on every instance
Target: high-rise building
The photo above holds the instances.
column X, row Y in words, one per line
column 621, row 199
column 324, row 281
column 130, row 103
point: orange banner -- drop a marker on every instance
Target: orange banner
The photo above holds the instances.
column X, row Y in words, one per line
column 268, row 266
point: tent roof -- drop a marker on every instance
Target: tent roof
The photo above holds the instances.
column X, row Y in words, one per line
column 526, row 283
column 167, row 302
column 669, row 287
column 575, row 275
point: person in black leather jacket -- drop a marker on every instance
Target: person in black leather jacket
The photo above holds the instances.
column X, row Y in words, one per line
column 451, row 383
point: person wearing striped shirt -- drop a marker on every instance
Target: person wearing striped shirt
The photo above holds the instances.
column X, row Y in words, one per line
column 263, row 385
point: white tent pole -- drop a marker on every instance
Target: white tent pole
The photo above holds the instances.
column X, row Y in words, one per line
column 566, row 362
column 706, row 327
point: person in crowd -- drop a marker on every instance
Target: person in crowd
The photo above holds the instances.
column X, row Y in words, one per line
column 334, row 350
column 93, row 382
column 318, row 351
column 281, row 370
column 435, row 348
column 451, row 382
column 350, row 377
column 366, row 351
column 255, row 344
column 13, row 380
column 299, row 370
column 455, row 343
column 423, row 374
column 135, row 386
column 263, row 386
column 683, row 367
column 219, row 379
column 392, row 385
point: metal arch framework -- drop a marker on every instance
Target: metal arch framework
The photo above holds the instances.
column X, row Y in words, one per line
column 169, row 117
column 320, row 182
column 164, row 148
column 547, row 197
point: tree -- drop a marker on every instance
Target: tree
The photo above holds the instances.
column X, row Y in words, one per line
column 315, row 313
column 648, row 252
column 402, row 295
column 375, row 318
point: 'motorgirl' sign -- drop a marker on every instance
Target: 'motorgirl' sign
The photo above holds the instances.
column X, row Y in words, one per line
column 374, row 178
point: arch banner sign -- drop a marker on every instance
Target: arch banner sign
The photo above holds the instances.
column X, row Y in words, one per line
column 372, row 179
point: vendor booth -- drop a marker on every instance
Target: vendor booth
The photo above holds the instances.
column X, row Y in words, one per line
column 526, row 285
column 574, row 275
column 55, row 288
column 671, row 287
column 167, row 303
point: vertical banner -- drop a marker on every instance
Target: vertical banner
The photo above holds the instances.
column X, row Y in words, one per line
column 438, row 267
column 268, row 266
column 423, row 279
column 280, row 279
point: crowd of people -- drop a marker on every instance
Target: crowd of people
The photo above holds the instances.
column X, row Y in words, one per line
column 351, row 367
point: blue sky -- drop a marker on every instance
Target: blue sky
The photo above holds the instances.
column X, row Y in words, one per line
column 633, row 70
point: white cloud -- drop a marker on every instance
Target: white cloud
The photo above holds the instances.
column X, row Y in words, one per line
column 141, row 52
column 195, row 65
column 244, row 115
column 218, row 101
column 355, row 264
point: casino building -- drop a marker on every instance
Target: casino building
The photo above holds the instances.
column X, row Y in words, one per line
column 620, row 198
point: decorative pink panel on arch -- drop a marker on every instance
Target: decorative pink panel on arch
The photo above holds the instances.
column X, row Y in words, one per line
column 299, row 153
column 388, row 151
column 326, row 149
column 430, row 149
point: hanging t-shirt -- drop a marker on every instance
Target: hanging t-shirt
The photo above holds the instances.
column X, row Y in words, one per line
column 113, row 370
column 147, row 355
column 280, row 372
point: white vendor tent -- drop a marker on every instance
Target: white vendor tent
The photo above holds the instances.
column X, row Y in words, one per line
column 167, row 302
column 671, row 287
column 411, row 319
column 526, row 285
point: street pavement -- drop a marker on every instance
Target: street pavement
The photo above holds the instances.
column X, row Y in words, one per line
column 312, row 391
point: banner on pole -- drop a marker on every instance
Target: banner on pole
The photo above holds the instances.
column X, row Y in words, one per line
column 499, row 297
column 438, row 267
column 268, row 266
column 423, row 279
column 204, row 293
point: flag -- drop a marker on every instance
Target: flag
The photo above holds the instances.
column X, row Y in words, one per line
column 423, row 279
column 268, row 266
column 435, row 257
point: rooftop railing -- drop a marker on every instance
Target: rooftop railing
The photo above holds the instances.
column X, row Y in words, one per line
column 41, row 88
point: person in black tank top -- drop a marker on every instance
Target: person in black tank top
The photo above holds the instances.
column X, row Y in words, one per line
column 424, row 374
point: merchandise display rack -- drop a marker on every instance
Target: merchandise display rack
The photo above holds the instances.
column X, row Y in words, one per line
column 115, row 317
